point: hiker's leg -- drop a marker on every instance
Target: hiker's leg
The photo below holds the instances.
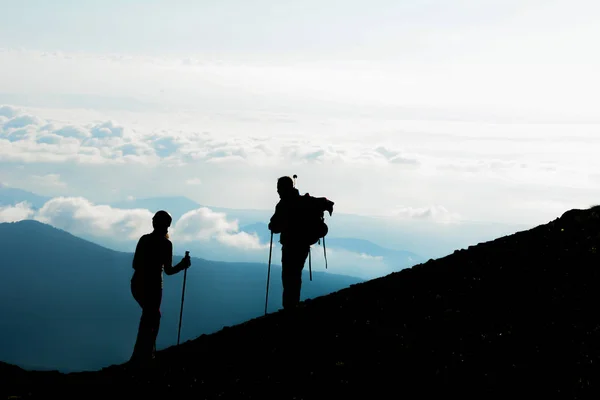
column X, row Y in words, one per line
column 149, row 322
column 291, row 286
column 301, row 255
column 292, row 263
column 289, row 276
column 137, row 291
column 155, row 317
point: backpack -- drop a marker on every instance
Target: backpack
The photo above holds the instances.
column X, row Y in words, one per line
column 313, row 217
column 313, row 222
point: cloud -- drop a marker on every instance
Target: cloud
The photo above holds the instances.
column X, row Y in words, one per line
column 16, row 213
column 107, row 129
column 48, row 180
column 193, row 181
column 28, row 138
column 38, row 139
column 8, row 112
column 434, row 213
column 80, row 216
column 394, row 156
column 204, row 224
column 368, row 157
column 72, row 131
column 370, row 257
column 21, row 122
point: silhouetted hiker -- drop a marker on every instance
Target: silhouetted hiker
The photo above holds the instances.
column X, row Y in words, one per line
column 153, row 254
column 294, row 219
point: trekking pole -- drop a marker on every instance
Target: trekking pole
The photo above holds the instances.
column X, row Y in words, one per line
column 187, row 254
column 269, row 272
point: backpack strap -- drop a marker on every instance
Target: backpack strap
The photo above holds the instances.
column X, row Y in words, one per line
column 309, row 265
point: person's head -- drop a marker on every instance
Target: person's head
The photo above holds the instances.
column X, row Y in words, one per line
column 161, row 221
column 285, row 186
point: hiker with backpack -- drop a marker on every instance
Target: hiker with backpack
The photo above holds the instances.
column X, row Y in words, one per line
column 300, row 223
column 153, row 255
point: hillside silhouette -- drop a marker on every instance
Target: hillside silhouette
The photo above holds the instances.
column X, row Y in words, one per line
column 67, row 303
column 515, row 317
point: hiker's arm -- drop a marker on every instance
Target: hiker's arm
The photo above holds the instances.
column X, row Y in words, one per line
column 137, row 256
column 169, row 268
column 275, row 224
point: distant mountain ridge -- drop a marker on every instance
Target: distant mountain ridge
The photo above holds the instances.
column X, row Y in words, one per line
column 10, row 196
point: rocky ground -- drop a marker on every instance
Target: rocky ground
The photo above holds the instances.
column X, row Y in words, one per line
column 517, row 317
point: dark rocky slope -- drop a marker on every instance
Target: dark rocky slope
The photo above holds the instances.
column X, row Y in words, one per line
column 516, row 317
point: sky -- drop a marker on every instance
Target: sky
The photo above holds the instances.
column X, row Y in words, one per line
column 445, row 110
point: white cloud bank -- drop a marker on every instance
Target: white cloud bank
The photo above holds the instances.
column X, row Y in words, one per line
column 443, row 171
column 205, row 224
column 78, row 216
column 435, row 213
column 28, row 138
column 51, row 180
column 16, row 213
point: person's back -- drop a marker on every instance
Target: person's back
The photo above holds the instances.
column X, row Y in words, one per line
column 153, row 252
column 287, row 219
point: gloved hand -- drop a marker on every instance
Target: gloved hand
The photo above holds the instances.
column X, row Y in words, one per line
column 186, row 261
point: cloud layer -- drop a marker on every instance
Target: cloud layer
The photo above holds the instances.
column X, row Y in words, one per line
column 78, row 215
column 16, row 213
column 28, row 138
column 373, row 138
column 440, row 170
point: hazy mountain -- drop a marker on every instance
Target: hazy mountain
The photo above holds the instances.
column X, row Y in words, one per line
column 10, row 196
column 66, row 302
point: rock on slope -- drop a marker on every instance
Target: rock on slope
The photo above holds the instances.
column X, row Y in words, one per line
column 503, row 319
